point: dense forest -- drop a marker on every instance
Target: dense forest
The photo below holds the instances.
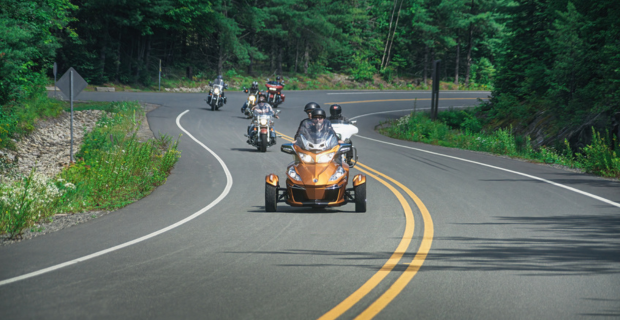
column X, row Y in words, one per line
column 557, row 56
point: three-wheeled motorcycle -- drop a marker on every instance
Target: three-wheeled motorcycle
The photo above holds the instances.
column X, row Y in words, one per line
column 318, row 177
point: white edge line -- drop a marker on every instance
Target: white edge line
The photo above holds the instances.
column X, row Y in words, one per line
column 148, row 236
column 408, row 92
column 502, row 169
column 391, row 111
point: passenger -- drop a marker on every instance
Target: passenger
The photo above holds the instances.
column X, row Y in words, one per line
column 335, row 112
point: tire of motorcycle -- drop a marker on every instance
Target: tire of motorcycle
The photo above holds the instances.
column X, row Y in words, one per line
column 212, row 106
column 360, row 198
column 262, row 147
column 271, row 198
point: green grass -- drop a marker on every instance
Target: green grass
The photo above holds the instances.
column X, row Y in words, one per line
column 112, row 170
column 460, row 129
column 19, row 119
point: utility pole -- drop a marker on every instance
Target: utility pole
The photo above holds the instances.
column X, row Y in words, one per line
column 435, row 91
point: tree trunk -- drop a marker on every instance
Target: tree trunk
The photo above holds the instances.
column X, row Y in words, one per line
column 102, row 60
column 220, row 60
column 272, row 56
column 468, row 60
column 118, row 56
column 393, row 34
column 306, row 58
column 458, row 59
column 425, row 64
column 469, row 48
column 141, row 47
column 146, row 60
column 296, row 55
column 279, row 65
column 388, row 37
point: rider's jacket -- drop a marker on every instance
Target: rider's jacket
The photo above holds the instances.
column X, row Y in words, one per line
column 263, row 107
column 339, row 118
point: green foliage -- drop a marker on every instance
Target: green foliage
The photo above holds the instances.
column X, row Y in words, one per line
column 597, row 157
column 29, row 41
column 18, row 119
column 362, row 69
column 113, row 170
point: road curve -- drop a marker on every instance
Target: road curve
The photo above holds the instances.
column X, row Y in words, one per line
column 505, row 244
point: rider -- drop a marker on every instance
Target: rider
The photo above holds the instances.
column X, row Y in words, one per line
column 310, row 106
column 318, row 122
column 220, row 81
column 253, row 90
column 335, row 111
column 262, row 107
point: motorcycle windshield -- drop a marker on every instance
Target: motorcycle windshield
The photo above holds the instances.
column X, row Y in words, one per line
column 259, row 111
column 312, row 138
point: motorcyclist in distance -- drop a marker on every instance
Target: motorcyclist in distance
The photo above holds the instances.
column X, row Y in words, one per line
column 335, row 113
column 262, row 107
column 220, row 81
column 253, row 90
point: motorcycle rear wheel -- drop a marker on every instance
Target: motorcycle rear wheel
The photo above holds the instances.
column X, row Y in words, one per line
column 263, row 142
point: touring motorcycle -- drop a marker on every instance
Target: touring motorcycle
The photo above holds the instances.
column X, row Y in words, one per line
column 345, row 130
column 261, row 132
column 274, row 92
column 215, row 98
column 252, row 99
column 318, row 177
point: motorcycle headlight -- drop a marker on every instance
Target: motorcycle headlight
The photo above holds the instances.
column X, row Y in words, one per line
column 273, row 89
column 339, row 173
column 293, row 174
column 306, row 158
column 325, row 158
column 216, row 90
column 252, row 98
column 263, row 122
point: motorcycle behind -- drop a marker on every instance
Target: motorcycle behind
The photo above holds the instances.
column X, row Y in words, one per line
column 345, row 130
column 252, row 100
column 261, row 132
column 215, row 98
column 274, row 92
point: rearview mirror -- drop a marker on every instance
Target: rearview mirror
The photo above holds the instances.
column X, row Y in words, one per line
column 345, row 147
column 354, row 122
column 210, row 84
column 287, row 148
column 278, row 111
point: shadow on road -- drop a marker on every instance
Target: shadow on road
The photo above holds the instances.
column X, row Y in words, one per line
column 562, row 245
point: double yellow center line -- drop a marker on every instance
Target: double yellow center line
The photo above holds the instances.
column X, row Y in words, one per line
column 395, row 258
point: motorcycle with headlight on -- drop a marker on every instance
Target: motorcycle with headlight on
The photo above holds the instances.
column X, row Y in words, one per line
column 261, row 132
column 252, row 100
column 216, row 99
column 318, row 177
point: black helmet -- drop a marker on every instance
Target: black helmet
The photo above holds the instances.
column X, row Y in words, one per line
column 219, row 76
column 311, row 106
column 262, row 97
column 278, row 78
column 318, row 113
column 335, row 110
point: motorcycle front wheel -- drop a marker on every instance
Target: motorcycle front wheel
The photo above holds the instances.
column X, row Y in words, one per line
column 262, row 147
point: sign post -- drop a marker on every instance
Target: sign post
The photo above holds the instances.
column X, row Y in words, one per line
column 55, row 72
column 435, row 91
column 71, row 84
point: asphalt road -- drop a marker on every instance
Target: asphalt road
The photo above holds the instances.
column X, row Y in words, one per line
column 508, row 239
